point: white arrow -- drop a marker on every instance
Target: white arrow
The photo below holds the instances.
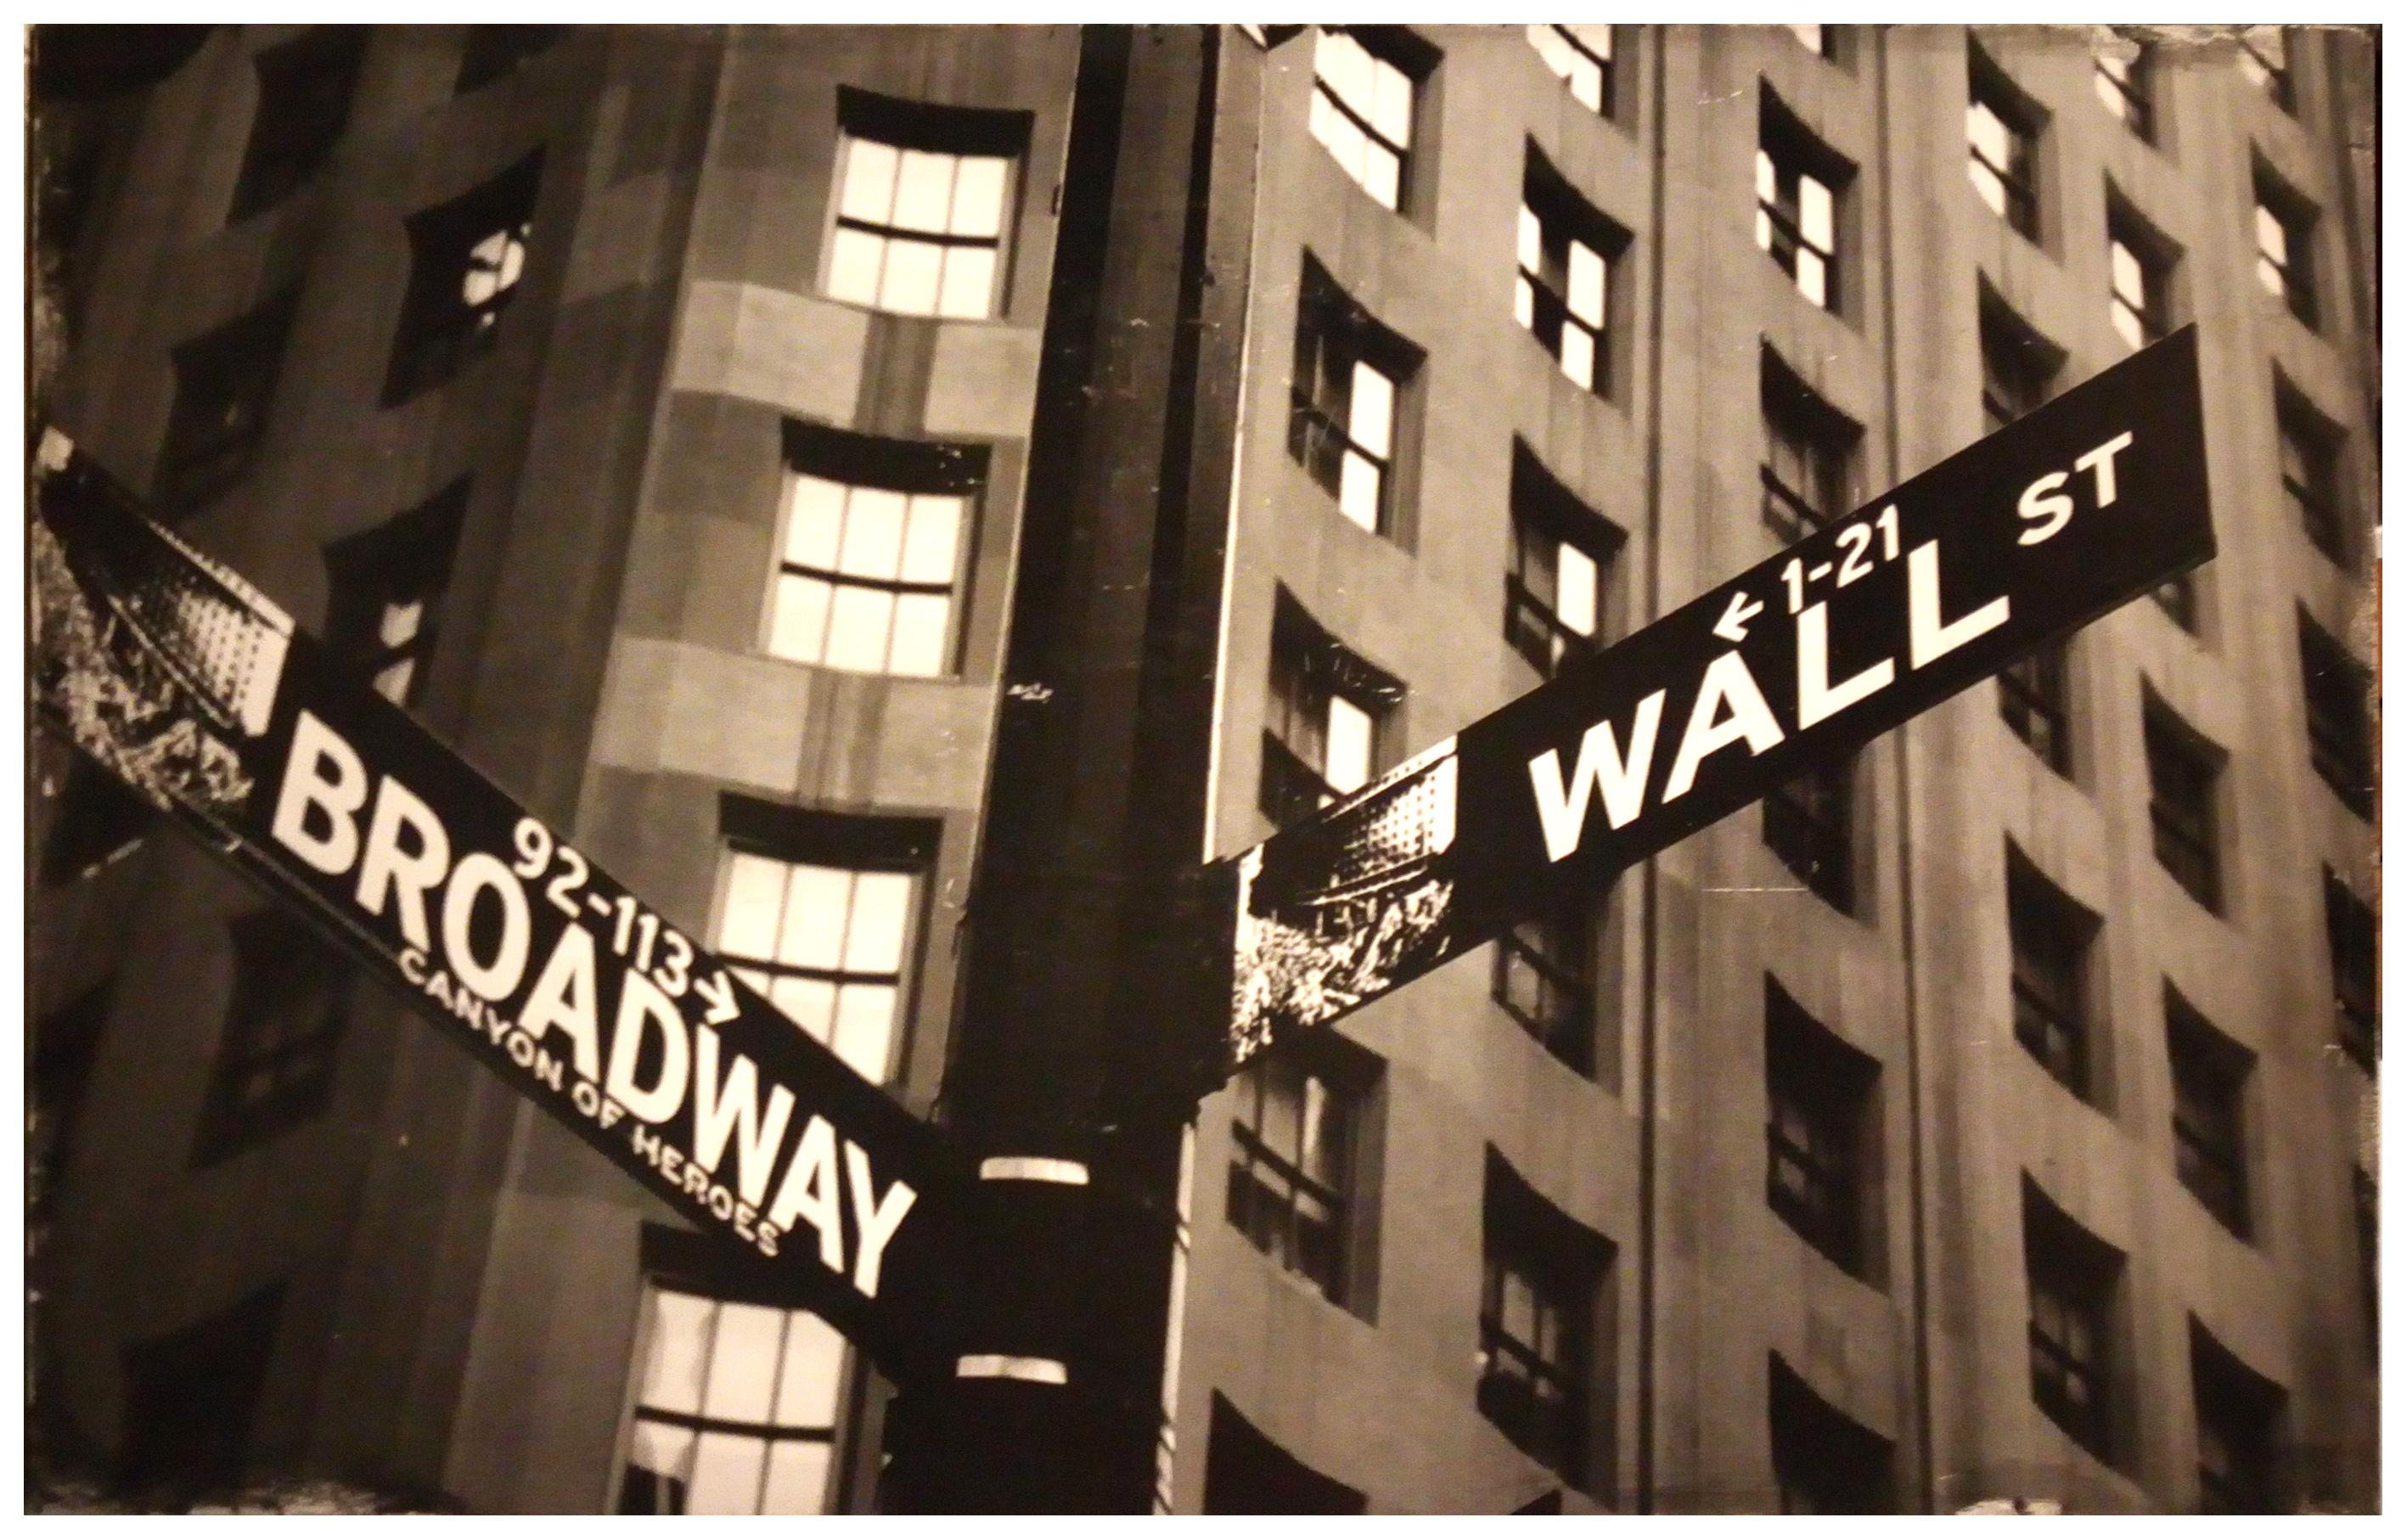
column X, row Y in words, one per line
column 721, row 996
column 1731, row 627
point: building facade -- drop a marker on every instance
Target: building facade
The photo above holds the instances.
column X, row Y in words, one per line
column 652, row 410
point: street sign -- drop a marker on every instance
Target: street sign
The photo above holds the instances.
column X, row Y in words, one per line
column 2034, row 530
column 203, row 697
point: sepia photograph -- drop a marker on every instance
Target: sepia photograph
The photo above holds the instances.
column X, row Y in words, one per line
column 1407, row 768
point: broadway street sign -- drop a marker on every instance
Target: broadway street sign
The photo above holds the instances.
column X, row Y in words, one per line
column 199, row 692
column 2034, row 530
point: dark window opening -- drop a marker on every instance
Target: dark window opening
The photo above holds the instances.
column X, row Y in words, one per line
column 2074, row 1277
column 2034, row 698
column 285, row 1015
column 2184, row 775
column 190, row 1398
column 1546, row 979
column 466, row 258
column 1296, row 1148
column 2309, row 452
column 1352, row 382
column 305, row 100
column 1809, row 824
column 2125, row 80
column 225, row 380
column 1824, row 1461
column 97, row 819
column 1808, row 450
column 1799, row 183
column 2003, row 126
column 2353, row 935
column 1321, row 736
column 494, row 49
column 2238, row 1422
column 2018, row 366
column 2286, row 252
column 2051, row 937
column 1563, row 556
column 1538, row 1334
column 1568, row 256
column 385, row 594
column 2265, row 62
column 1819, row 1090
column 1245, row 1471
column 2210, row 1073
column 2340, row 732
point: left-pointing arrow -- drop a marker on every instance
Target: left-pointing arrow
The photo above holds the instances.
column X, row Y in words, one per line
column 1731, row 627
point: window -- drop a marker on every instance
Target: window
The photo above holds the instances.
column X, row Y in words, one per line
column 1808, row 446
column 2138, row 272
column 2074, row 1277
column 1818, row 1090
column 1563, row 294
column 465, row 260
column 1295, row 1143
column 2340, row 738
column 386, row 591
column 875, row 541
column 1363, row 80
column 1246, row 1472
column 494, row 49
column 1563, row 554
column 1823, row 1460
column 1546, row 979
column 1320, row 739
column 1809, row 823
column 2183, row 772
column 224, row 381
column 1543, row 1275
column 2265, row 62
column 304, row 98
column 734, row 1392
column 818, row 912
column 2003, row 129
column 1350, row 373
column 1796, row 186
column 2210, row 1074
column 1819, row 40
column 2035, row 701
column 2310, row 450
column 98, row 818
column 285, row 1011
column 924, row 198
column 1582, row 58
column 2050, row 935
column 192, row 1398
column 2018, row 366
column 2352, row 936
column 2239, row 1414
column 2125, row 80
column 2285, row 253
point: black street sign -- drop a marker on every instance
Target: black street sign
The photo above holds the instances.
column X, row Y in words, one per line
column 2032, row 531
column 202, row 695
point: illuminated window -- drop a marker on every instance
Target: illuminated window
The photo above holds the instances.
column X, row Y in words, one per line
column 2183, row 770
column 1321, row 735
column 2351, row 935
column 1363, row 80
column 465, row 260
column 734, row 1394
column 2051, row 937
column 1809, row 824
column 385, row 590
column 1542, row 1294
column 304, row 99
column 225, row 381
column 284, row 1018
column 1546, row 979
column 2017, row 366
column 1819, row 40
column 2265, row 61
column 820, row 912
column 2139, row 267
column 2285, row 226
column 494, row 49
column 2034, row 698
column 922, row 207
column 1798, row 183
column 1819, row 1090
column 1808, row 448
column 2309, row 452
column 1563, row 293
column 2339, row 734
column 1582, row 58
column 1346, row 399
column 2003, row 137
column 2074, row 1277
column 1563, row 555
column 2126, row 81
column 2210, row 1073
column 874, row 543
column 1823, row 1460
column 2238, row 1418
column 1294, row 1145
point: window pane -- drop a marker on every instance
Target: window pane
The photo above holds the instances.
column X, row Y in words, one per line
column 852, row 266
column 1529, row 241
column 726, row 1474
column 756, row 890
column 1349, row 744
column 909, row 285
column 1987, row 132
column 864, row 1024
column 2127, row 325
column 881, row 903
column 393, row 682
column 808, row 1002
column 672, row 1363
column 2269, row 277
column 814, row 1368
column 873, row 534
column 1551, row 47
column 978, row 195
column 814, row 517
column 1575, row 586
column 928, row 547
column 1391, row 108
column 400, row 622
column 1810, row 280
column 868, row 181
column 2108, row 96
column 1347, row 65
column 798, row 618
column 1382, row 175
column 744, row 1363
column 858, row 625
column 1525, row 302
column 1579, row 358
column 817, row 899
column 1985, row 182
column 1587, row 298
column 2272, row 239
column 1357, row 491
column 920, row 623
column 2129, row 278
column 1814, row 213
column 754, row 979
column 923, row 193
column 968, row 290
column 659, row 1448
column 798, row 1470
column 1370, row 418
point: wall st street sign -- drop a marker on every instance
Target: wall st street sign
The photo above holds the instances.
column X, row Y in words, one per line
column 200, row 693
column 2034, row 530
